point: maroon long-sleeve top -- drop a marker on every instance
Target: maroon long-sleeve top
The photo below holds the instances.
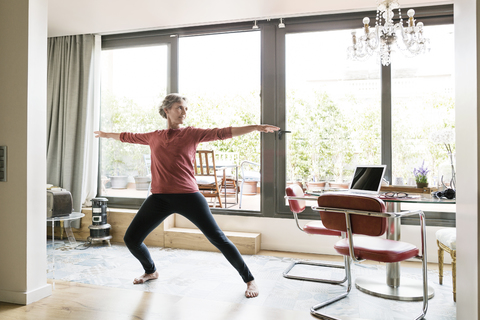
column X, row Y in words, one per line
column 173, row 155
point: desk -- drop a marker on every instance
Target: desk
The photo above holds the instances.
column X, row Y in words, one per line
column 71, row 238
column 394, row 286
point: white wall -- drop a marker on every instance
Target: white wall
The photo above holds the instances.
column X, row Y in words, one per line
column 23, row 73
column 114, row 16
column 467, row 133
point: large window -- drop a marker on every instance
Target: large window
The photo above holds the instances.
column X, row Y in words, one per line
column 340, row 113
column 333, row 109
column 422, row 107
column 134, row 80
column 423, row 114
column 220, row 75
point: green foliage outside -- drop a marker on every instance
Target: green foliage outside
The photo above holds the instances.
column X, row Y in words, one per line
column 223, row 111
column 326, row 142
column 330, row 138
column 122, row 114
column 412, row 136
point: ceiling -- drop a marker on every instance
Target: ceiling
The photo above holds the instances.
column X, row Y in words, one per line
column 69, row 17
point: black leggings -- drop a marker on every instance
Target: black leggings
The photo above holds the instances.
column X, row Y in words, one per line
column 192, row 206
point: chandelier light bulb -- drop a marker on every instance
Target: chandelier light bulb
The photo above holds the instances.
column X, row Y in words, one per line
column 410, row 13
column 366, row 21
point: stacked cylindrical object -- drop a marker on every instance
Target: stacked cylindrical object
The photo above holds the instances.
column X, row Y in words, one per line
column 99, row 229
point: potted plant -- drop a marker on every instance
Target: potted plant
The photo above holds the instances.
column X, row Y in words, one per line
column 119, row 178
column 315, row 185
column 143, row 179
column 421, row 176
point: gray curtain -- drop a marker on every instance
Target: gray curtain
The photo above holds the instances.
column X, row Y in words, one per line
column 70, row 107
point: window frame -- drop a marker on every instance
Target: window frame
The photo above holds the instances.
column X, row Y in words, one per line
column 273, row 94
column 437, row 15
column 123, row 41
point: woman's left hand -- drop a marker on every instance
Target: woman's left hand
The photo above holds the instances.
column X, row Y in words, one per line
column 267, row 128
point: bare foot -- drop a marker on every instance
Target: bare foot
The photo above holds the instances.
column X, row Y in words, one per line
column 252, row 289
column 145, row 277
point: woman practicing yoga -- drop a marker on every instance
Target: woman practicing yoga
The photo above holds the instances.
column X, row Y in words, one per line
column 174, row 188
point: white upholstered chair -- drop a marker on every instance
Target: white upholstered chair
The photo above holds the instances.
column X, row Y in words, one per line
column 447, row 241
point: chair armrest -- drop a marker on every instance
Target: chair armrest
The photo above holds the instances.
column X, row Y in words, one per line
column 242, row 168
column 249, row 162
column 295, row 215
column 304, row 198
column 359, row 212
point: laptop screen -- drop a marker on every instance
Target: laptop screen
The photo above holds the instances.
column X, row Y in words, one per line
column 367, row 179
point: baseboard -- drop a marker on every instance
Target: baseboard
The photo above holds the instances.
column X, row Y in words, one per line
column 193, row 239
column 167, row 235
column 24, row 298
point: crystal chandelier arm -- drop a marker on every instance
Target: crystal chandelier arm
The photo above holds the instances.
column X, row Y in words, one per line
column 374, row 38
column 412, row 36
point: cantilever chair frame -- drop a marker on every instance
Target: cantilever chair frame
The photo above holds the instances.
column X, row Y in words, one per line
column 318, row 264
column 348, row 212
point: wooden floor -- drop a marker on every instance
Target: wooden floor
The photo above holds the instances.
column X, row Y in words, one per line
column 72, row 300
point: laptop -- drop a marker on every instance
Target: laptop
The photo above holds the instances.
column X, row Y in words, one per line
column 367, row 179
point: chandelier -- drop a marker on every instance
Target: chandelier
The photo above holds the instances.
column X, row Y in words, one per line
column 383, row 38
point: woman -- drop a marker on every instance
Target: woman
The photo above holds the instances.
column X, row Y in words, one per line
column 174, row 188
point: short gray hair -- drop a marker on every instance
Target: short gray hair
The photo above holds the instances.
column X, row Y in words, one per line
column 168, row 103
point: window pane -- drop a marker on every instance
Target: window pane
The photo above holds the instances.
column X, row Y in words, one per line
column 333, row 109
column 134, row 82
column 423, row 106
column 220, row 76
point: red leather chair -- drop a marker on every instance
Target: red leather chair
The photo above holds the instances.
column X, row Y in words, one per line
column 366, row 215
column 313, row 227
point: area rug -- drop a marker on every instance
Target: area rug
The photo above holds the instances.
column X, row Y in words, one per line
column 208, row 275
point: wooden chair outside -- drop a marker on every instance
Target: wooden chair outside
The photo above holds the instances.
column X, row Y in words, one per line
column 206, row 175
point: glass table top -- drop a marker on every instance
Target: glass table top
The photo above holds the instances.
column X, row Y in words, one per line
column 411, row 198
column 428, row 199
column 71, row 216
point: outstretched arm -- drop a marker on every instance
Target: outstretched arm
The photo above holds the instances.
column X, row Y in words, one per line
column 112, row 135
column 267, row 128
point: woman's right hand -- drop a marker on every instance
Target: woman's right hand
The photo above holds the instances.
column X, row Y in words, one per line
column 112, row 135
column 99, row 134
